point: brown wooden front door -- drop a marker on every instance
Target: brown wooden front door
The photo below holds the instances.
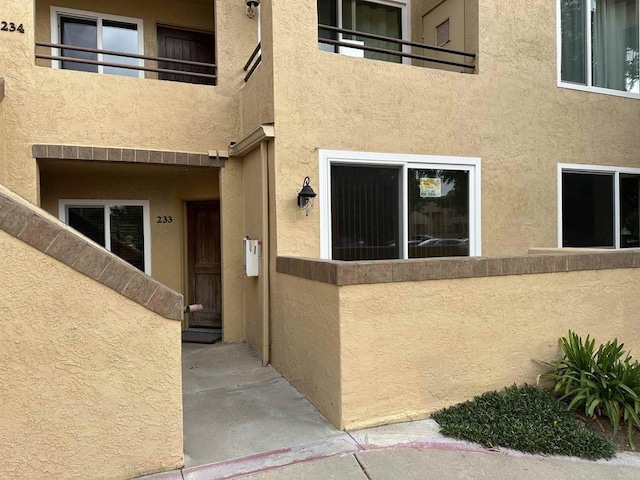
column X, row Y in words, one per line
column 204, row 262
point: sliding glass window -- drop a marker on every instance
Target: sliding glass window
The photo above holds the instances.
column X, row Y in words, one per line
column 123, row 227
column 383, row 207
column 599, row 44
column 600, row 207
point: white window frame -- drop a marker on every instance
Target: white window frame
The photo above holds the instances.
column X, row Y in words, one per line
column 56, row 12
column 327, row 158
column 405, row 11
column 578, row 86
column 63, row 204
column 602, row 169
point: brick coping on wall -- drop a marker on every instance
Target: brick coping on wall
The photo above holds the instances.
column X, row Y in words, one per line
column 215, row 158
column 25, row 222
column 416, row 270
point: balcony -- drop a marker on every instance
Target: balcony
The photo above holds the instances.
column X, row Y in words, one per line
column 444, row 36
column 137, row 42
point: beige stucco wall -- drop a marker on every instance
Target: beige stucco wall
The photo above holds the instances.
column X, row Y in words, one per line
column 256, row 99
column 410, row 348
column 253, row 181
column 68, row 107
column 166, row 189
column 306, row 340
column 512, row 115
column 84, row 395
column 232, row 231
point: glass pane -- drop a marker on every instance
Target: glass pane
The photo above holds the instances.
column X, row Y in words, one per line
column 629, row 211
column 120, row 37
column 127, row 234
column 89, row 221
column 79, row 32
column 573, row 23
column 587, row 210
column 438, row 213
column 614, row 33
column 365, row 213
column 374, row 18
column 327, row 15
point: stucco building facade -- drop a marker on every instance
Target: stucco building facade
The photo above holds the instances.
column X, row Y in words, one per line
column 477, row 177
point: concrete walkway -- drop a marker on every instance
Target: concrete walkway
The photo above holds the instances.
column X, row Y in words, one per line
column 242, row 420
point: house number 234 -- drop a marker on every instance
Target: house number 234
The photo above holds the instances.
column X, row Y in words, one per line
column 10, row 27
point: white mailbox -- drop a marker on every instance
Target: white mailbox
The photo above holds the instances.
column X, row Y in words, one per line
column 252, row 256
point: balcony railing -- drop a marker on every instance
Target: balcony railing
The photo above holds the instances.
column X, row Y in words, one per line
column 454, row 58
column 254, row 60
column 57, row 48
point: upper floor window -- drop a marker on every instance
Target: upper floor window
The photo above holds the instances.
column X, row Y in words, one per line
column 378, row 17
column 599, row 45
column 94, row 31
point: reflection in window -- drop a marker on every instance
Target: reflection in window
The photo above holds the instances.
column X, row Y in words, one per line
column 629, row 211
column 438, row 213
column 120, row 37
column 127, row 234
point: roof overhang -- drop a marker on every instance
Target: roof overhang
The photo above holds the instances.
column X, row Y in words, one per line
column 252, row 140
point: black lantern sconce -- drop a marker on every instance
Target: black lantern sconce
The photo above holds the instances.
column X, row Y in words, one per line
column 306, row 197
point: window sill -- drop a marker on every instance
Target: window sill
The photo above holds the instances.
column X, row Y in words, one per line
column 603, row 91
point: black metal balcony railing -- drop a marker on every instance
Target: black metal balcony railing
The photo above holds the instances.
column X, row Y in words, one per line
column 186, row 72
column 454, row 62
column 254, row 60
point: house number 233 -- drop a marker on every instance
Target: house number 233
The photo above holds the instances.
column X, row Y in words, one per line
column 10, row 27
column 160, row 219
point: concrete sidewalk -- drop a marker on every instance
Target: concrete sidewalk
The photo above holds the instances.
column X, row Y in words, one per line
column 242, row 420
column 424, row 464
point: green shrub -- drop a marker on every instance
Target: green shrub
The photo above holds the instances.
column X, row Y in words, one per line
column 602, row 382
column 526, row 418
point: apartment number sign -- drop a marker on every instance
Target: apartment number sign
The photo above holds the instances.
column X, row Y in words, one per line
column 10, row 27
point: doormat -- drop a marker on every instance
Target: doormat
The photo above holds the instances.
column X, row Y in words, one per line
column 199, row 336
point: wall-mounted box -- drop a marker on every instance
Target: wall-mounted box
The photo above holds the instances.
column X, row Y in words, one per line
column 252, row 257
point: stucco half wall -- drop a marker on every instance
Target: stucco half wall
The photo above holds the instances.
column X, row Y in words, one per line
column 415, row 336
column 85, row 374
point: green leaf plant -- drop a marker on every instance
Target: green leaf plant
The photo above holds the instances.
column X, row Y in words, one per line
column 602, row 382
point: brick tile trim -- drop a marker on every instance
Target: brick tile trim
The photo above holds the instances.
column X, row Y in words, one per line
column 32, row 226
column 215, row 158
column 416, row 270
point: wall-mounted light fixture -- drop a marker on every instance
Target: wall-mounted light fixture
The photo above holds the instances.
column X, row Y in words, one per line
column 306, row 197
column 252, row 7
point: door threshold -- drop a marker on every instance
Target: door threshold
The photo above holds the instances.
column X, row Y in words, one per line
column 202, row 335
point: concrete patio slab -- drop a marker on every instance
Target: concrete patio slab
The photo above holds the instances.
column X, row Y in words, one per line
column 235, row 408
column 212, row 367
